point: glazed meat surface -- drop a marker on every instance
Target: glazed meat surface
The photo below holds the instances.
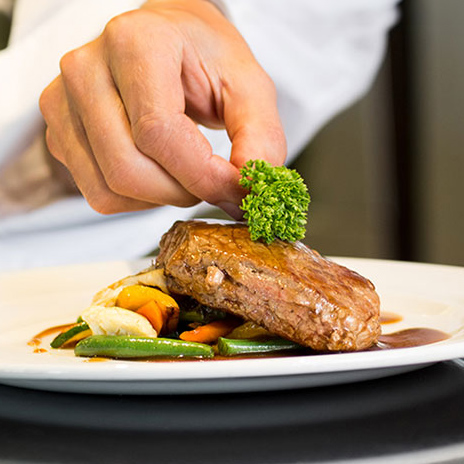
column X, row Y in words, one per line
column 287, row 288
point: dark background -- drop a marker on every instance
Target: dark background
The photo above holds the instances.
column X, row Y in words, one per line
column 413, row 418
column 386, row 176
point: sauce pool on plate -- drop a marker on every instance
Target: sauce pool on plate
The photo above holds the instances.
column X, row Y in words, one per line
column 407, row 338
column 389, row 318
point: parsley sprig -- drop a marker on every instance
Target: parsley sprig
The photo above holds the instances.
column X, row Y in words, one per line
column 277, row 203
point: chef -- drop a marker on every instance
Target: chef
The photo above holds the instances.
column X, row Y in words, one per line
column 119, row 117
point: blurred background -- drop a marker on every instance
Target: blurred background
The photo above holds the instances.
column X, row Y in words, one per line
column 386, row 175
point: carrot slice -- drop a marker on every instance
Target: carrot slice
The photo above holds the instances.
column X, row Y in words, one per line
column 209, row 333
column 134, row 296
column 154, row 314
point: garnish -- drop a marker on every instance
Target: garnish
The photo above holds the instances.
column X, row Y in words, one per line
column 277, row 204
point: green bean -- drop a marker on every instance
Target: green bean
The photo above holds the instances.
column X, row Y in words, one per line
column 234, row 347
column 80, row 329
column 126, row 346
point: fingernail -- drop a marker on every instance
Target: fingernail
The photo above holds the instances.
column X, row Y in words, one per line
column 231, row 209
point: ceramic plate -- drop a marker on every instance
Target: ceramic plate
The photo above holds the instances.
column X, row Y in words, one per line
column 422, row 295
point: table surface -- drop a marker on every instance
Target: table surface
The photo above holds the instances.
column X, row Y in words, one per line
column 418, row 415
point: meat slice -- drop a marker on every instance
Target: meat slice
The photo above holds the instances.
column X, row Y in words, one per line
column 287, row 288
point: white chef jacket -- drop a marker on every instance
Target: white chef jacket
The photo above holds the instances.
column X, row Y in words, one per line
column 321, row 54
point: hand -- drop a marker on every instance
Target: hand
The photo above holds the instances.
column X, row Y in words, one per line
column 122, row 116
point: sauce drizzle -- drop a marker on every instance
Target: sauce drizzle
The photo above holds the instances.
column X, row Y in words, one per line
column 37, row 340
column 387, row 317
column 409, row 338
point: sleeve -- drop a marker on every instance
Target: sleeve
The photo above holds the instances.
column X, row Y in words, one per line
column 41, row 33
column 322, row 55
column 31, row 60
column 6, row 6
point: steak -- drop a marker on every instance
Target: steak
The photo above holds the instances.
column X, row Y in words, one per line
column 288, row 288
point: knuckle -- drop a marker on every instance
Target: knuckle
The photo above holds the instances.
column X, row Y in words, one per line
column 49, row 100
column 102, row 202
column 52, row 145
column 262, row 80
column 123, row 178
column 73, row 67
column 120, row 178
column 152, row 134
column 118, row 28
column 69, row 62
column 119, row 31
column 196, row 183
column 45, row 104
column 55, row 147
column 98, row 195
column 206, row 186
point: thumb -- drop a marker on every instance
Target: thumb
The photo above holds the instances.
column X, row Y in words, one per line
column 252, row 120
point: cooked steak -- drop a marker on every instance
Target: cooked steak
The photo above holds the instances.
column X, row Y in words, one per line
column 287, row 288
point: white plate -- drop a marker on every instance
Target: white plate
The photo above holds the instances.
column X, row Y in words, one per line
column 424, row 295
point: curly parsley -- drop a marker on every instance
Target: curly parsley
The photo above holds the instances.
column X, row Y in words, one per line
column 277, row 204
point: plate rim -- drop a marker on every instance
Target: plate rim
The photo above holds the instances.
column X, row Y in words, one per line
column 327, row 364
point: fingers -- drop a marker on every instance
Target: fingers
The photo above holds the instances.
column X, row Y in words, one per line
column 155, row 103
column 118, row 116
column 71, row 148
column 146, row 72
column 176, row 143
column 125, row 169
column 252, row 120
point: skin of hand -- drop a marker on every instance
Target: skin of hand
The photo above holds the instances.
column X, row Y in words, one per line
column 122, row 116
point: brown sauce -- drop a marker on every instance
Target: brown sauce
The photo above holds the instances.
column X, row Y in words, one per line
column 389, row 318
column 409, row 338
column 37, row 340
